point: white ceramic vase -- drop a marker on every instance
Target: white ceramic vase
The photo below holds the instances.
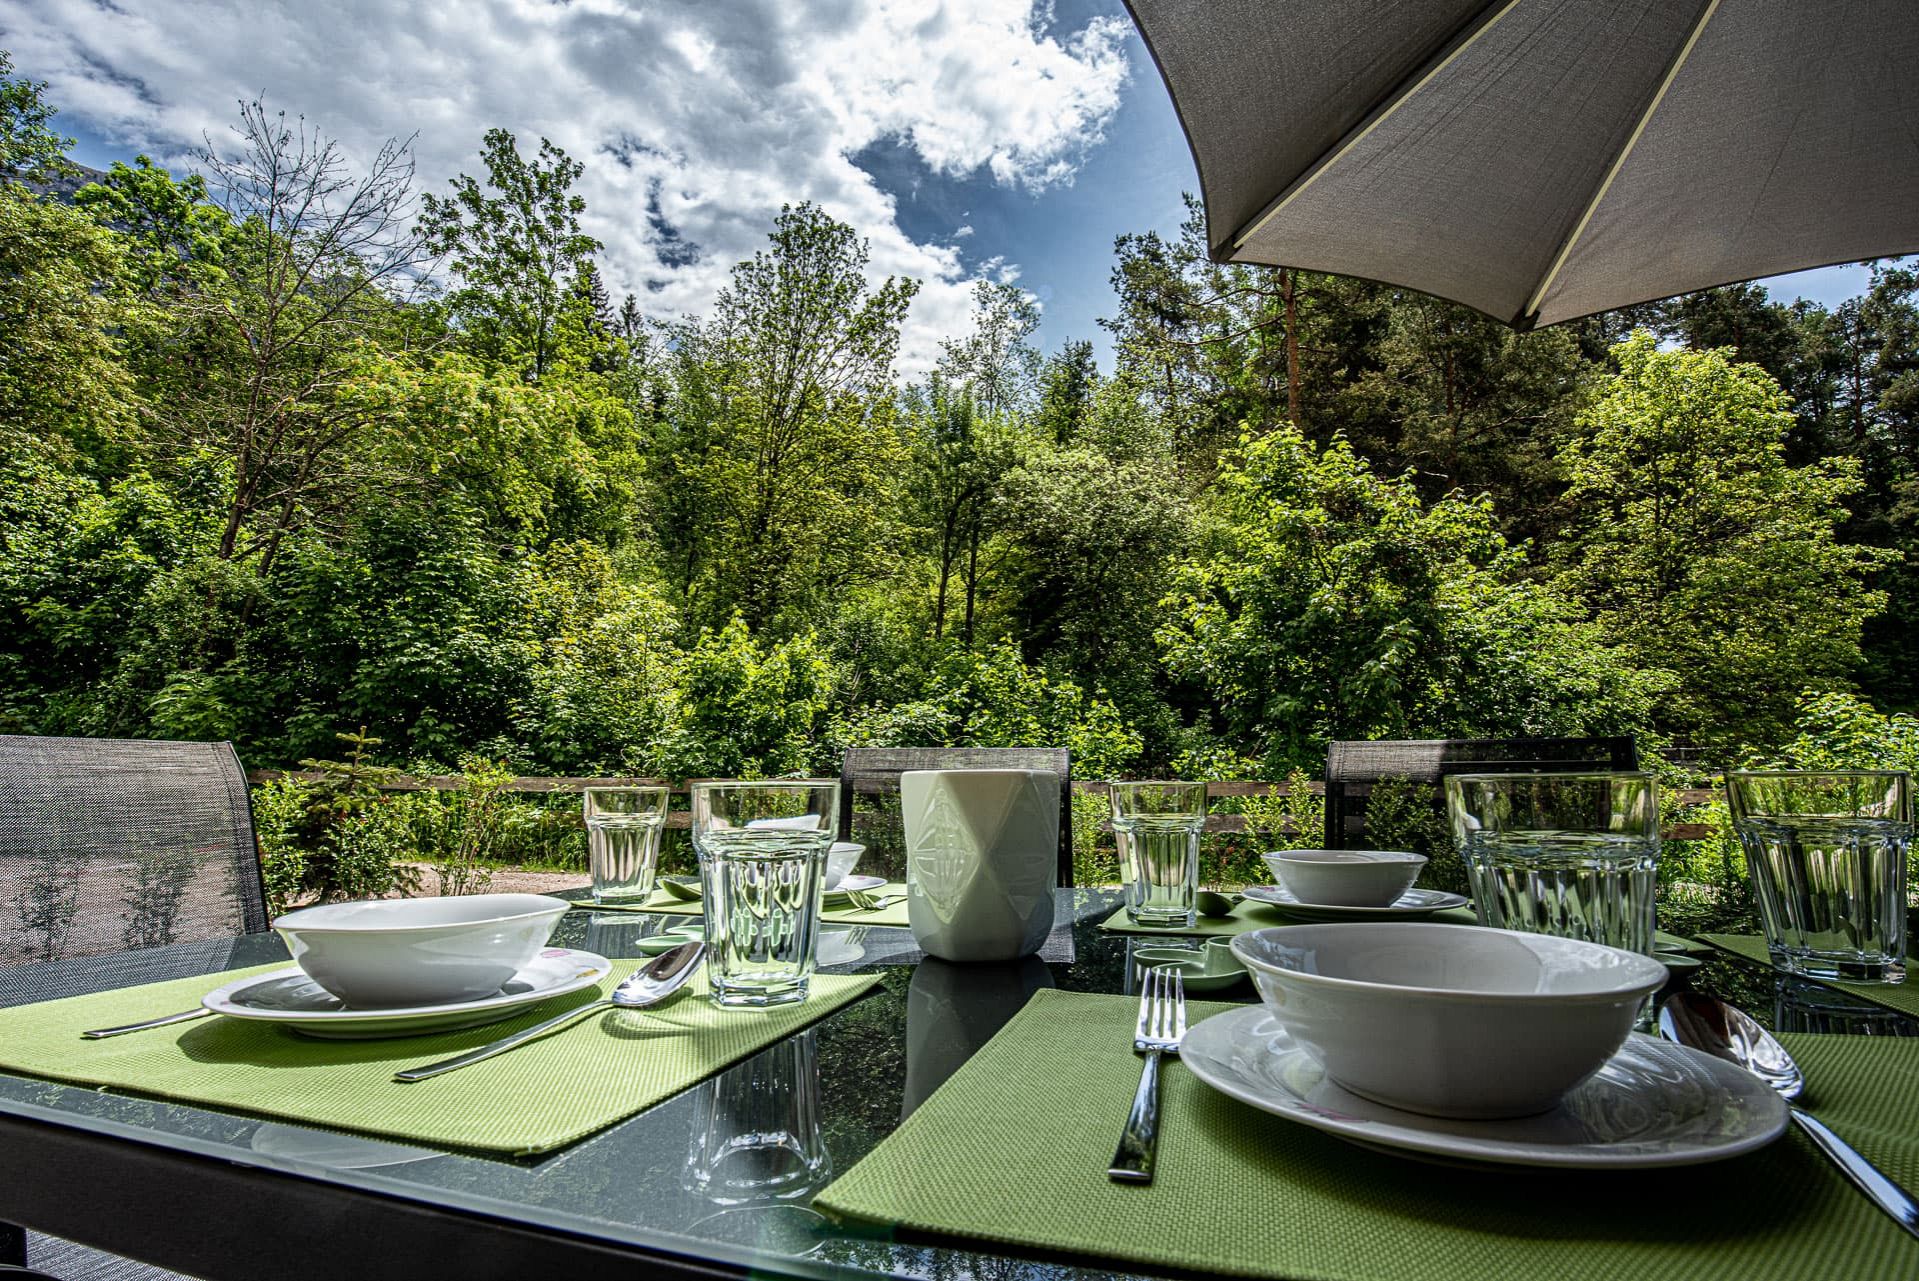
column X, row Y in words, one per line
column 982, row 853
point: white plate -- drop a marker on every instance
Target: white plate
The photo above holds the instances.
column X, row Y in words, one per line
column 1654, row 1103
column 288, row 997
column 851, row 883
column 1411, row 903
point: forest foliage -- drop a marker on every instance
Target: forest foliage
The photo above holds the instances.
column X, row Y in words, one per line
column 289, row 447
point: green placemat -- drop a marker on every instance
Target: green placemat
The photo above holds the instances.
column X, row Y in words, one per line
column 1249, row 915
column 540, row 1096
column 844, row 913
column 1903, row 997
column 1246, row 916
column 1013, row 1150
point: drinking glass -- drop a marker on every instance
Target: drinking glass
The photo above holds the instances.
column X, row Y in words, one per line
column 623, row 841
column 1827, row 856
column 756, row 1136
column 1574, row 855
column 1157, row 825
column 762, row 849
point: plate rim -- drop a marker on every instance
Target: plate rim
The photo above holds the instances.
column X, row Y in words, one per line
column 1449, row 900
column 1384, row 1134
column 845, row 886
column 220, row 1001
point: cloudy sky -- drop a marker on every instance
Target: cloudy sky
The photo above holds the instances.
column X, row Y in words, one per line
column 995, row 138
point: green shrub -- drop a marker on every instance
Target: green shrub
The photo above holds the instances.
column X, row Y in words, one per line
column 279, row 808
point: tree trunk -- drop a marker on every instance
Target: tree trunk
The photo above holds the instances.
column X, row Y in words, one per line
column 1288, row 279
column 972, row 581
column 946, row 573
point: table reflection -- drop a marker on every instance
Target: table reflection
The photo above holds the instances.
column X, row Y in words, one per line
column 953, row 1009
column 755, row 1137
column 1802, row 1006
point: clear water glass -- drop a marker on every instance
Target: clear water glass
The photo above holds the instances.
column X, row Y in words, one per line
column 762, row 850
column 1827, row 856
column 757, row 1137
column 1574, row 855
column 623, row 827
column 1157, row 825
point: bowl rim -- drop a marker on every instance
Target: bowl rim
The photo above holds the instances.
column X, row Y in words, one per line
column 550, row 906
column 1656, row 974
column 1383, row 857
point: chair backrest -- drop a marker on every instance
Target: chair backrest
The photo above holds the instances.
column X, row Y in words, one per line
column 112, row 844
column 1352, row 767
column 873, row 774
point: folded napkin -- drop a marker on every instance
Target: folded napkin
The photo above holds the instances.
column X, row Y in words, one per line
column 540, row 1096
column 838, row 910
column 1903, row 997
column 1012, row 1150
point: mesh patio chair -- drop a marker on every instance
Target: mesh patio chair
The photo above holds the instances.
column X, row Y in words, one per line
column 872, row 775
column 111, row 846
column 1354, row 766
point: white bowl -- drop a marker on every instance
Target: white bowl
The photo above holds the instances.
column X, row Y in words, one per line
column 841, row 859
column 425, row 951
column 1450, row 1020
column 1346, row 878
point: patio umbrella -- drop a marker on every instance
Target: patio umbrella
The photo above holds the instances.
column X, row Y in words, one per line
column 1539, row 160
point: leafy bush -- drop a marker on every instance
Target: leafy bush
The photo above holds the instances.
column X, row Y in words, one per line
column 279, row 811
column 458, row 830
column 993, row 698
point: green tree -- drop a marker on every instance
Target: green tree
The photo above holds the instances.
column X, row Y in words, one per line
column 959, row 462
column 1334, row 603
column 1091, row 541
column 995, row 362
column 1701, row 551
column 308, row 264
column 517, row 254
column 173, row 234
column 30, row 148
column 784, row 445
column 1068, row 384
column 60, row 367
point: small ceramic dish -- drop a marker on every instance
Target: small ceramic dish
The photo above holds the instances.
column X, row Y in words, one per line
column 1346, row 878
column 1200, row 968
column 416, row 952
column 1676, row 963
column 654, row 944
column 1219, row 955
column 1450, row 1020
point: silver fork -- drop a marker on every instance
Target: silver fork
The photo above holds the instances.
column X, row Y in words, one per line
column 1162, row 1022
column 866, row 902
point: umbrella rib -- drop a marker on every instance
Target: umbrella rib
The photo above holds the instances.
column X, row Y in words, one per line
column 1529, row 315
column 1457, row 43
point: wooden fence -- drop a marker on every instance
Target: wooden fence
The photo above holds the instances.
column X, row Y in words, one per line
column 679, row 819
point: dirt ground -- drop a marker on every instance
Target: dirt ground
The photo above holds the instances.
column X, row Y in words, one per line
column 509, row 881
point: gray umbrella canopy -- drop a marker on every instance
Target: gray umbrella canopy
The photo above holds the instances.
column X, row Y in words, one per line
column 1540, row 160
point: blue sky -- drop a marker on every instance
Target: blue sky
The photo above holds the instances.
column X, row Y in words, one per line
column 964, row 141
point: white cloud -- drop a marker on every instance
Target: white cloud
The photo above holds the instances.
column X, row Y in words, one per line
column 696, row 121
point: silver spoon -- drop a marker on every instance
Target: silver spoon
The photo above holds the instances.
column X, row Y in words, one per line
column 648, row 985
column 1729, row 1033
column 185, row 1016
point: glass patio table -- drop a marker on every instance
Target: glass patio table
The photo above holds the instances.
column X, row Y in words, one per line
column 220, row 1194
